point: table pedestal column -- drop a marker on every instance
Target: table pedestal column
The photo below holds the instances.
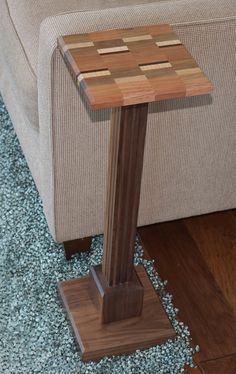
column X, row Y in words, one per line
column 116, row 310
column 119, row 288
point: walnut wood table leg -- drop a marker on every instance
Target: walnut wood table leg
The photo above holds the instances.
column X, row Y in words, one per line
column 116, row 281
column 116, row 309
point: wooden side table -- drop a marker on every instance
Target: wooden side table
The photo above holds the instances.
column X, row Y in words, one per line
column 116, row 310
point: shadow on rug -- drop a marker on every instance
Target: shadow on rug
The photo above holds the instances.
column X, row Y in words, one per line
column 35, row 336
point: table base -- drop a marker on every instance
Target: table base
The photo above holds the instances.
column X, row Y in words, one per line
column 97, row 340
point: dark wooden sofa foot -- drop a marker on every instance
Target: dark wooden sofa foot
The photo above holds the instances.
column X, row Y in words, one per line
column 75, row 246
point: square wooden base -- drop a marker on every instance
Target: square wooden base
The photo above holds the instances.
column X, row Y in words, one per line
column 97, row 340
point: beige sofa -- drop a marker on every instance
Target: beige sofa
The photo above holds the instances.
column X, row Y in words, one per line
column 190, row 158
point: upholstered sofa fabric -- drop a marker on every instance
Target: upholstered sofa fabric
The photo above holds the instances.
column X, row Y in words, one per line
column 16, row 72
column 27, row 16
column 18, row 86
column 190, row 157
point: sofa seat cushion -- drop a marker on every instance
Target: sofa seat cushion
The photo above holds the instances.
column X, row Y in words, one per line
column 28, row 15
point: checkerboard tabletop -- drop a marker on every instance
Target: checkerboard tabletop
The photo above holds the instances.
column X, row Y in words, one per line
column 132, row 66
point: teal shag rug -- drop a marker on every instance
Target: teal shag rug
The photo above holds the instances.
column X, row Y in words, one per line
column 35, row 336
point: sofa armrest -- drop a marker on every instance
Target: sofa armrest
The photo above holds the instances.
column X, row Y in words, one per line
column 55, row 136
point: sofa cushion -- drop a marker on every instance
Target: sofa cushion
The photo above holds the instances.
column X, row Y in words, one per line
column 28, row 15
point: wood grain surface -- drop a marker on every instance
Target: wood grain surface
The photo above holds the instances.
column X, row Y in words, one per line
column 127, row 141
column 131, row 66
column 199, row 263
column 216, row 235
column 224, row 365
column 124, row 300
column 96, row 340
column 200, row 300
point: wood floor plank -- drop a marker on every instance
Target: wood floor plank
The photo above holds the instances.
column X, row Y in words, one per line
column 215, row 235
column 225, row 365
column 200, row 301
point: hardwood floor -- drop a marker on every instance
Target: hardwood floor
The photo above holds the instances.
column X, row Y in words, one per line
column 226, row 365
column 218, row 231
column 198, row 257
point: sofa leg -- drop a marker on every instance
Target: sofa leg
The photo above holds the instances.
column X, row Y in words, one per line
column 75, row 246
